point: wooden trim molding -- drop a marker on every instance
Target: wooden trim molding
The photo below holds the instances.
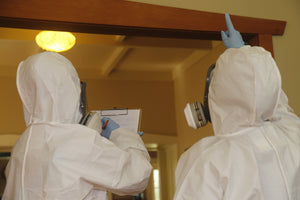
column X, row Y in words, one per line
column 263, row 40
column 128, row 18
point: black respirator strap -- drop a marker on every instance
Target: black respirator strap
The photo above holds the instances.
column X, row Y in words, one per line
column 208, row 79
column 82, row 106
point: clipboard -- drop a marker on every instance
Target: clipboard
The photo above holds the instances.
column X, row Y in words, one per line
column 126, row 118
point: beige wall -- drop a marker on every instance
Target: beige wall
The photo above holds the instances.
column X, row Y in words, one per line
column 11, row 115
column 167, row 162
column 156, row 99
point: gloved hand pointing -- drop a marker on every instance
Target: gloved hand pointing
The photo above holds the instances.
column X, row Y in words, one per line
column 108, row 125
column 231, row 38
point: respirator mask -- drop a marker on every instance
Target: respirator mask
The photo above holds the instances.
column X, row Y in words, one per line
column 89, row 119
column 196, row 114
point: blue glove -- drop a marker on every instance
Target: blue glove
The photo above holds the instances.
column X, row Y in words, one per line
column 108, row 125
column 140, row 133
column 231, row 38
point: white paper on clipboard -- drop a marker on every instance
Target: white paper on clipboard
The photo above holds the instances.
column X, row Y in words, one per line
column 126, row 118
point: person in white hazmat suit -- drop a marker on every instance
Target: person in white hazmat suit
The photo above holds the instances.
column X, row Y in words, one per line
column 58, row 159
column 255, row 153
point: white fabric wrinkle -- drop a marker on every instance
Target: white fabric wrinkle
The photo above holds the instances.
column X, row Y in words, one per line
column 278, row 161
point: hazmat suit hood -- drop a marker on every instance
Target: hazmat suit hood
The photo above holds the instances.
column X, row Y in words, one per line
column 49, row 88
column 244, row 91
column 255, row 153
column 57, row 158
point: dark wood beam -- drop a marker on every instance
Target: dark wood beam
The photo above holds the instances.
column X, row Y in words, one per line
column 263, row 40
column 127, row 18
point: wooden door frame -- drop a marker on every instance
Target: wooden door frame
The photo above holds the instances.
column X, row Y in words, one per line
column 132, row 18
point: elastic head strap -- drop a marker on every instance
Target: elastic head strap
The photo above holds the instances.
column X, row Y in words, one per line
column 208, row 79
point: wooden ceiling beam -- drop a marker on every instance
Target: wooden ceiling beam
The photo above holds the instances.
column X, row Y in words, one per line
column 113, row 60
column 120, row 17
column 113, row 40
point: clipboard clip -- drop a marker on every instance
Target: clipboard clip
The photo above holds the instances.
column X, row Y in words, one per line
column 114, row 112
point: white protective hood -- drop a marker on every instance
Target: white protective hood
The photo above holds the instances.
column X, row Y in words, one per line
column 255, row 153
column 49, row 88
column 251, row 93
column 57, row 158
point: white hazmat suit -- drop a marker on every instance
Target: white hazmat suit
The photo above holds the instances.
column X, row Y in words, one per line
column 56, row 158
column 255, row 153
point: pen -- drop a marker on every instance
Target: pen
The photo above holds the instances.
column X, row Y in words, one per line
column 105, row 124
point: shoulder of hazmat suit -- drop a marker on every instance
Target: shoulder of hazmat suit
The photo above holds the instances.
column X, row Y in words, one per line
column 56, row 158
column 255, row 153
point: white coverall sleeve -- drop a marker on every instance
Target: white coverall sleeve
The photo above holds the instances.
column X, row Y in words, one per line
column 120, row 166
column 126, row 140
column 134, row 167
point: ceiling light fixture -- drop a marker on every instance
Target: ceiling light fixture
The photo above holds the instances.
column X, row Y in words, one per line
column 55, row 40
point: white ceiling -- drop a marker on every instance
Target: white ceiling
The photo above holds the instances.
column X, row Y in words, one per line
column 109, row 56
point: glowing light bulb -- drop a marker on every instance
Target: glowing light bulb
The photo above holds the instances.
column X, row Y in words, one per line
column 55, row 40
